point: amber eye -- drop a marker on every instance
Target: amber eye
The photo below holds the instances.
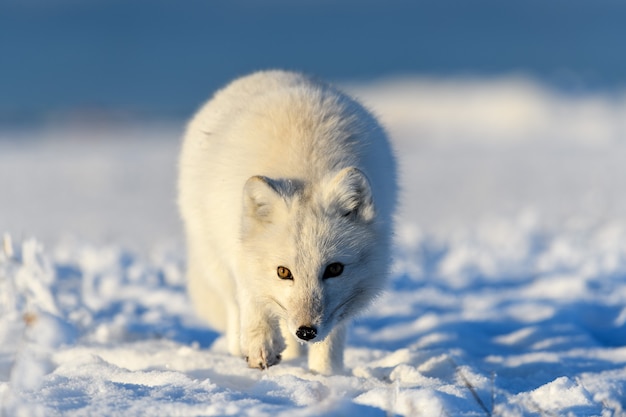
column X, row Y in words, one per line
column 333, row 270
column 283, row 273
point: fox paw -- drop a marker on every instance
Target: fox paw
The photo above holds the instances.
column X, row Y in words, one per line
column 262, row 363
column 265, row 355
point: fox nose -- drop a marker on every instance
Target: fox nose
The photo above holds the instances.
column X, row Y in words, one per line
column 306, row 333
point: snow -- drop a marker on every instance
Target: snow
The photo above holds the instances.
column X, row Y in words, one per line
column 507, row 297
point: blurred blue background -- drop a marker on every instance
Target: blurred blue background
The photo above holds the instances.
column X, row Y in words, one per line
column 120, row 60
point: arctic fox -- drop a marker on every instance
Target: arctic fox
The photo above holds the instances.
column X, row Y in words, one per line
column 287, row 189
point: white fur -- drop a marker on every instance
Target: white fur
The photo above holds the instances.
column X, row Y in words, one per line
column 281, row 170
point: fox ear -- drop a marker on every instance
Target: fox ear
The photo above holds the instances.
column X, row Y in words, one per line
column 351, row 195
column 260, row 195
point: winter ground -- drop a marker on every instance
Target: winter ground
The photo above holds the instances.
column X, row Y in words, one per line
column 508, row 293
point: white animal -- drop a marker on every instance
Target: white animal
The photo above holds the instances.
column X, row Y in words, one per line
column 287, row 189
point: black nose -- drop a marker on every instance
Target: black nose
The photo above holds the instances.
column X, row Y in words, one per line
column 306, row 333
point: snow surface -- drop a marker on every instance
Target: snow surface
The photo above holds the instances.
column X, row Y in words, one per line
column 507, row 298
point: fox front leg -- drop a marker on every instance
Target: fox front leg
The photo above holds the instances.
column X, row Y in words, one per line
column 326, row 357
column 261, row 340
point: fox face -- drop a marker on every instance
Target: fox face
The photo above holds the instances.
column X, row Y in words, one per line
column 309, row 250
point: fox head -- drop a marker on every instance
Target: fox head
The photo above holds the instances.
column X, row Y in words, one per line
column 313, row 253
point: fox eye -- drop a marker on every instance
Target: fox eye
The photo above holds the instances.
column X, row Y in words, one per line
column 283, row 273
column 333, row 270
